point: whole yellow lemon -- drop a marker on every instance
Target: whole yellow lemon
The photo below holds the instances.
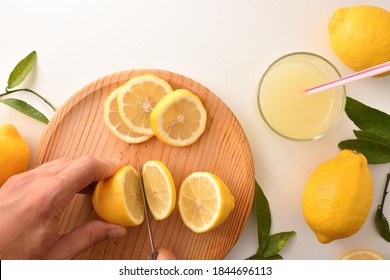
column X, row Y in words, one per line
column 338, row 196
column 360, row 36
column 14, row 153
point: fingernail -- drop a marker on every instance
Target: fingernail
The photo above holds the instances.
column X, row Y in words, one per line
column 117, row 232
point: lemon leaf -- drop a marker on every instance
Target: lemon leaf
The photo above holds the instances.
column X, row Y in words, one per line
column 367, row 118
column 277, row 242
column 25, row 108
column 269, row 245
column 375, row 152
column 21, row 70
column 261, row 257
column 382, row 224
column 263, row 218
column 380, row 220
column 371, row 136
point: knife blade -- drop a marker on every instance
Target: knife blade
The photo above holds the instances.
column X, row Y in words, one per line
column 153, row 248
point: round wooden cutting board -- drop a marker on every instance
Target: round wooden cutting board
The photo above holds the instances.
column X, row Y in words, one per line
column 78, row 129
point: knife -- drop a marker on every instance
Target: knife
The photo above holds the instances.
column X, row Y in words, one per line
column 141, row 182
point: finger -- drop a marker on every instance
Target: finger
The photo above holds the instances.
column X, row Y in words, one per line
column 81, row 238
column 165, row 254
column 45, row 170
column 54, row 167
column 52, row 163
column 51, row 168
column 83, row 171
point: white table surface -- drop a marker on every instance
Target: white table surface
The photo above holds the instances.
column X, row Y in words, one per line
column 226, row 45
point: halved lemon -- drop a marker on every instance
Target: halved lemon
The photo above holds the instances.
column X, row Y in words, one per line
column 138, row 98
column 159, row 188
column 114, row 122
column 118, row 199
column 179, row 119
column 204, row 201
column 362, row 254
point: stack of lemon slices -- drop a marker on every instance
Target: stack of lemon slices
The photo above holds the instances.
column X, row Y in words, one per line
column 147, row 105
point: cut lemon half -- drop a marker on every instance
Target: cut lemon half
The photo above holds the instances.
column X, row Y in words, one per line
column 204, row 201
column 159, row 189
column 179, row 119
column 138, row 98
column 114, row 122
column 362, row 254
column 118, row 199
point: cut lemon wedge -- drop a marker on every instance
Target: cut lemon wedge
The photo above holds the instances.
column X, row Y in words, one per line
column 362, row 254
column 114, row 122
column 204, row 201
column 138, row 98
column 118, row 199
column 159, row 189
column 179, row 119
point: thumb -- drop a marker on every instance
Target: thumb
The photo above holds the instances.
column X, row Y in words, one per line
column 84, row 236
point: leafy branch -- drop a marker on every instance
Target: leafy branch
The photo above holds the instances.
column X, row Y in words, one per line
column 269, row 245
column 17, row 76
column 373, row 138
column 373, row 141
column 380, row 220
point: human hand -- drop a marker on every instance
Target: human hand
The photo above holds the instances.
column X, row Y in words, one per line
column 31, row 205
column 165, row 254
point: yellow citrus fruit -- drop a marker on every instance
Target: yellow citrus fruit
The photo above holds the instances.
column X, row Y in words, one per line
column 118, row 198
column 114, row 122
column 362, row 254
column 204, row 201
column 14, row 153
column 338, row 196
column 159, row 189
column 138, row 98
column 179, row 119
column 360, row 36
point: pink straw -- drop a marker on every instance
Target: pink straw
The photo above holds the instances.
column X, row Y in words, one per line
column 379, row 69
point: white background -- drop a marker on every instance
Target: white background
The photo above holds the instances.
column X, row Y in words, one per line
column 280, row 270
column 226, row 46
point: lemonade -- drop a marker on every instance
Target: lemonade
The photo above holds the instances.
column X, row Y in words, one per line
column 287, row 109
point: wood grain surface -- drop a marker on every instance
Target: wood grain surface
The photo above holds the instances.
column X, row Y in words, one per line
column 78, row 129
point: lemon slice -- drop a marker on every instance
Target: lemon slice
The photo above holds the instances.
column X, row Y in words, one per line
column 159, row 189
column 179, row 119
column 118, row 199
column 137, row 99
column 204, row 201
column 362, row 254
column 114, row 122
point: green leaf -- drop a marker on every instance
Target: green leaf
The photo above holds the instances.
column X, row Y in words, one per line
column 263, row 218
column 371, row 136
column 368, row 118
column 375, row 152
column 25, row 108
column 21, row 70
column 277, row 242
column 382, row 224
column 260, row 257
column 380, row 220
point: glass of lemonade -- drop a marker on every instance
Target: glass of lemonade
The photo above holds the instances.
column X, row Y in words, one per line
column 286, row 108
